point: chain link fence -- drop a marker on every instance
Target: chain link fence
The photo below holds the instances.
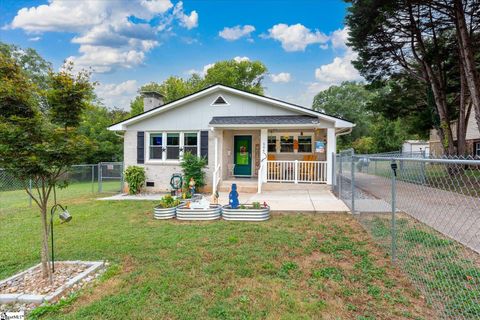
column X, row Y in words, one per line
column 426, row 214
column 82, row 180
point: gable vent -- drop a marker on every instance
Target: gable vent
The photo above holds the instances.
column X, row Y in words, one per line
column 219, row 101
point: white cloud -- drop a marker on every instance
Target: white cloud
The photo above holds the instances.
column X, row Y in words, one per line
column 187, row 21
column 281, row 77
column 240, row 59
column 237, row 32
column 117, row 95
column 339, row 70
column 296, row 37
column 111, row 34
column 34, row 39
column 339, row 38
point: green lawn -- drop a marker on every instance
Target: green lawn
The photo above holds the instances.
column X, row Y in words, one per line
column 291, row 267
column 447, row 272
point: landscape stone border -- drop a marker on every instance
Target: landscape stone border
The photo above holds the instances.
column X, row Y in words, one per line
column 39, row 299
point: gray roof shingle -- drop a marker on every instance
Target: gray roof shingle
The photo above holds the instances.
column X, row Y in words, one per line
column 264, row 120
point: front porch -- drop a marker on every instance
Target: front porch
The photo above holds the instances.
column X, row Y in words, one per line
column 256, row 157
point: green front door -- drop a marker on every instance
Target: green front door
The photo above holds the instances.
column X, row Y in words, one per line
column 242, row 156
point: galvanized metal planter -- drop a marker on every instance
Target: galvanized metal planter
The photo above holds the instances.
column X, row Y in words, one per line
column 165, row 213
column 213, row 213
column 248, row 214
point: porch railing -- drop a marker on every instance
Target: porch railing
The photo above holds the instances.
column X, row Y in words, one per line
column 297, row 171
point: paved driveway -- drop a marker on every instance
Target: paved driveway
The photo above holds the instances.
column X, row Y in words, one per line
column 451, row 213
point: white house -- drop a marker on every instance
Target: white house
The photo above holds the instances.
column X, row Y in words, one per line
column 245, row 137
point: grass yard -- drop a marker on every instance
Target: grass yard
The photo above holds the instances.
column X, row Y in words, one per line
column 291, row 267
column 447, row 272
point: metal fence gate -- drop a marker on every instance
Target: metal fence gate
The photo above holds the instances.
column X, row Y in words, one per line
column 426, row 214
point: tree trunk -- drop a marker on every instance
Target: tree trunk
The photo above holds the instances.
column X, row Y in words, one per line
column 45, row 261
column 467, row 55
column 462, row 114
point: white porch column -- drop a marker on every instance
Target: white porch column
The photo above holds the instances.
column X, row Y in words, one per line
column 215, row 164
column 331, row 149
column 263, row 153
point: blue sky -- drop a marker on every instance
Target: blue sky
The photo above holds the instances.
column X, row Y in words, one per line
column 131, row 42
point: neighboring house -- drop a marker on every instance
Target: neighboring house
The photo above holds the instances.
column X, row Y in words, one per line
column 245, row 137
column 472, row 138
column 416, row 147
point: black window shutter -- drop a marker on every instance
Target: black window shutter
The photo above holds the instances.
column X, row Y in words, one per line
column 204, row 144
column 140, row 147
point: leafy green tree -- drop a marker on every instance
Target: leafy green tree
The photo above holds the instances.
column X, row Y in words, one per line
column 41, row 143
column 348, row 101
column 243, row 75
column 107, row 145
column 30, row 61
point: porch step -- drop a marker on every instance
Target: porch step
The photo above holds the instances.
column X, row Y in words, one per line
column 247, row 186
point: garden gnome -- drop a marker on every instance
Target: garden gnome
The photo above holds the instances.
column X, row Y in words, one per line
column 233, row 197
column 191, row 186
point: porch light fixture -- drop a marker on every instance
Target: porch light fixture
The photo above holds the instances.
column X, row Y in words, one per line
column 64, row 216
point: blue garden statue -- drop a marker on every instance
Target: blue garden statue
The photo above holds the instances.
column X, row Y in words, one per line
column 233, row 197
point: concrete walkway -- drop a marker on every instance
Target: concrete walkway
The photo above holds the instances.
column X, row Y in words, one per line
column 308, row 201
column 311, row 201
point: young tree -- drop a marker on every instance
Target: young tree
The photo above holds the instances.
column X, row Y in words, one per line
column 40, row 142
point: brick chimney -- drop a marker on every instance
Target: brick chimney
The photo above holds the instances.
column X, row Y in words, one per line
column 151, row 99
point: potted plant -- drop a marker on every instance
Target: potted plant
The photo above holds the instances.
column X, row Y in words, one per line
column 166, row 208
column 247, row 212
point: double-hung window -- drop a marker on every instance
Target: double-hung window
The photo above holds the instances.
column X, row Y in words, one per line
column 286, row 144
column 173, row 146
column 190, row 143
column 272, row 144
column 477, row 149
column 305, row 144
column 156, row 146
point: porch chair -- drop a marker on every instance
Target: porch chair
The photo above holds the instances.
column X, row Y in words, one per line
column 307, row 170
column 273, row 168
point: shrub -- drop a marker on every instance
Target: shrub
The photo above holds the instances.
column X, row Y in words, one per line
column 168, row 202
column 135, row 177
column 193, row 167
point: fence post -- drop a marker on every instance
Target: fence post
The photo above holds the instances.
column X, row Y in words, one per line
column 99, row 173
column 122, row 185
column 353, row 181
column 296, row 172
column 340, row 174
column 334, row 174
column 30, row 190
column 394, row 209
column 93, row 178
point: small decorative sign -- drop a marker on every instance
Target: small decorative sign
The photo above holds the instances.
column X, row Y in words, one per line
column 319, row 147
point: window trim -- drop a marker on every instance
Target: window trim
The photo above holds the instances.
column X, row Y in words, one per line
column 164, row 159
column 476, row 148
